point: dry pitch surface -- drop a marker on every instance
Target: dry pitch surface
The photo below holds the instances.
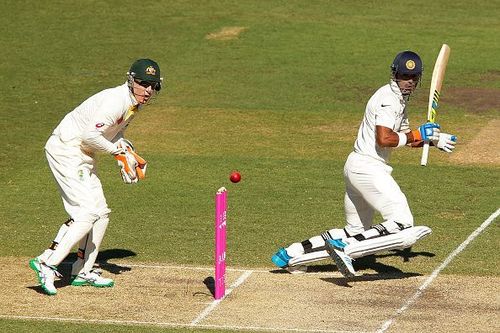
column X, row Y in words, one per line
column 321, row 301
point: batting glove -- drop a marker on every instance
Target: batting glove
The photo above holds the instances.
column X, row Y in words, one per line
column 446, row 142
column 427, row 132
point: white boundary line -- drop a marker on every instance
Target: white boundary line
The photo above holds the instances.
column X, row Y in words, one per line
column 385, row 326
column 216, row 302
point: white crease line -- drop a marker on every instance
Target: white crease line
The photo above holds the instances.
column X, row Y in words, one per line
column 216, row 302
column 271, row 270
column 385, row 326
column 170, row 324
column 172, row 267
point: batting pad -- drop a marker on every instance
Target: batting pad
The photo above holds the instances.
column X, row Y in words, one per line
column 308, row 258
column 398, row 241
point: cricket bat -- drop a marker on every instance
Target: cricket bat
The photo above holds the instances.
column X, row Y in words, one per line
column 434, row 93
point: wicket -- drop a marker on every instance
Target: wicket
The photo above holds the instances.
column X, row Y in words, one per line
column 220, row 243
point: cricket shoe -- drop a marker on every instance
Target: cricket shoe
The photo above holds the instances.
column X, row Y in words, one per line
column 335, row 248
column 92, row 278
column 281, row 258
column 46, row 275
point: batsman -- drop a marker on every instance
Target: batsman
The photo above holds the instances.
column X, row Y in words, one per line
column 370, row 188
column 96, row 125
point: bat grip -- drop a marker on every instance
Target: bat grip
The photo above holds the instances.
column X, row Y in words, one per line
column 425, row 154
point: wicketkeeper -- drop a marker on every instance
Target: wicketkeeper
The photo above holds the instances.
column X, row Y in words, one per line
column 369, row 184
column 96, row 125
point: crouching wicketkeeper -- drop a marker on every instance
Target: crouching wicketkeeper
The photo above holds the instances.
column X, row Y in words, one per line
column 95, row 125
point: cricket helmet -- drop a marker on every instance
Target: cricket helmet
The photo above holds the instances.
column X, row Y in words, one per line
column 146, row 70
column 407, row 63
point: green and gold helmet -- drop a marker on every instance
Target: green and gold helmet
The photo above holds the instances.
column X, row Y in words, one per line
column 146, row 70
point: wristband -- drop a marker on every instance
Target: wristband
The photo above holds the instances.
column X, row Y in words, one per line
column 402, row 139
column 416, row 136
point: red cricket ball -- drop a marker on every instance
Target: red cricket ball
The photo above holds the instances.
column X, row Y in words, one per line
column 235, row 176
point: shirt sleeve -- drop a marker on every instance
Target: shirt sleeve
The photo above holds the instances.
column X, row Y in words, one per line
column 385, row 113
column 107, row 114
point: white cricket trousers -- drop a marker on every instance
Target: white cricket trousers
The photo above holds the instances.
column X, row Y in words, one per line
column 83, row 199
column 369, row 188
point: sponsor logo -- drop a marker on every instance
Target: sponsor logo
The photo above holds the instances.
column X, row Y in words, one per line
column 151, row 70
column 410, row 64
column 99, row 125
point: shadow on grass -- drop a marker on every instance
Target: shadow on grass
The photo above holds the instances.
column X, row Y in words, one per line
column 406, row 254
column 383, row 271
column 103, row 260
column 344, row 281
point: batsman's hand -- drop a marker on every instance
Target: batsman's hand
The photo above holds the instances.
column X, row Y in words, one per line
column 132, row 166
column 427, row 132
column 446, row 142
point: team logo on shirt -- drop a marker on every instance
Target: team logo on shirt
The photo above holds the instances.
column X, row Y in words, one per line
column 151, row 70
column 99, row 125
column 410, row 64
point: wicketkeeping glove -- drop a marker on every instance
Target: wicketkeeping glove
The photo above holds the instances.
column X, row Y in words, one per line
column 427, row 132
column 132, row 166
column 446, row 142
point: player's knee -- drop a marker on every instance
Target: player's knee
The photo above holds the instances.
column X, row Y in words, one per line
column 104, row 216
column 86, row 217
column 97, row 214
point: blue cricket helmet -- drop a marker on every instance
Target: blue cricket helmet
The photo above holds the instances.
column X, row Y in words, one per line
column 407, row 63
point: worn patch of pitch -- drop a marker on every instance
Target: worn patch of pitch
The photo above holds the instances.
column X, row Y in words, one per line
column 482, row 149
column 226, row 33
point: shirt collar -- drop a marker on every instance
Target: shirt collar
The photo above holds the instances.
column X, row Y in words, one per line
column 395, row 89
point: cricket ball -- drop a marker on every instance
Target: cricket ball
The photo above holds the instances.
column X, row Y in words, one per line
column 235, row 176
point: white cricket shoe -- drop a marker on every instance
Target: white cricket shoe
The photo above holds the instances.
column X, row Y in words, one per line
column 46, row 275
column 335, row 249
column 92, row 278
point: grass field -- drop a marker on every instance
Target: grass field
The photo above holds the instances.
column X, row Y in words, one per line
column 280, row 101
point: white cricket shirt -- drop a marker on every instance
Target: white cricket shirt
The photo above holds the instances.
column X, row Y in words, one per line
column 387, row 108
column 100, row 118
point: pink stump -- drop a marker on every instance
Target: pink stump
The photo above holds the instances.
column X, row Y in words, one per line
column 220, row 242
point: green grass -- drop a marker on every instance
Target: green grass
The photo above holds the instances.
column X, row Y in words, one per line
column 281, row 104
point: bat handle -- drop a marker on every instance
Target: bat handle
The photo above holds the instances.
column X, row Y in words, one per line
column 425, row 154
